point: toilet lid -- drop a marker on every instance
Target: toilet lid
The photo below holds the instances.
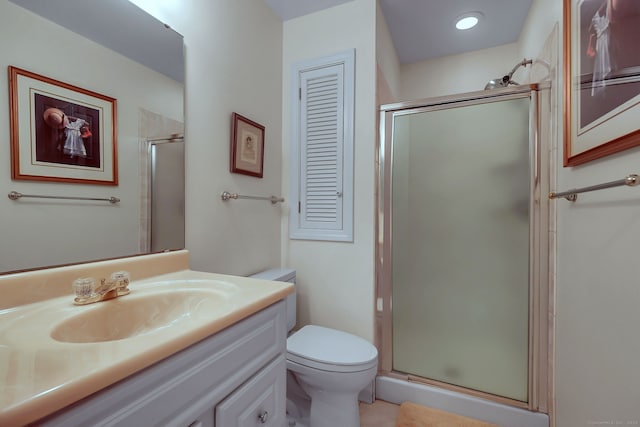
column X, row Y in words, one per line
column 329, row 346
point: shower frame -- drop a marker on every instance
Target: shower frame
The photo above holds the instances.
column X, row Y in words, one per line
column 541, row 252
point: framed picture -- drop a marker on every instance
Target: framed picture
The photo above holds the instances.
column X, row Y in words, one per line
column 60, row 132
column 247, row 146
column 602, row 78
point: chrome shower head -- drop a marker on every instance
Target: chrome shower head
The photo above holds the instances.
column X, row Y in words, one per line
column 506, row 80
column 498, row 83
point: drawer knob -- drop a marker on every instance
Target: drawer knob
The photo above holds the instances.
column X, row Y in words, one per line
column 263, row 417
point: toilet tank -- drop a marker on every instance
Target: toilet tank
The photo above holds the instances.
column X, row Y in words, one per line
column 282, row 275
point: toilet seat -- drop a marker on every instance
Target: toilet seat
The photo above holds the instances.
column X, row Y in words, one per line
column 330, row 350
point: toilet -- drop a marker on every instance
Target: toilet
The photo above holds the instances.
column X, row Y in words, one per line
column 327, row 368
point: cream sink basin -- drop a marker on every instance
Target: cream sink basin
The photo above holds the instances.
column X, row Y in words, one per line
column 153, row 310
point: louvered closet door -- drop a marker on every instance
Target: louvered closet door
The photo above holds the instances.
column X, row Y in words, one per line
column 321, row 143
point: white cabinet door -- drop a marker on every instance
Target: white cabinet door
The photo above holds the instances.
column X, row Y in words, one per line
column 260, row 402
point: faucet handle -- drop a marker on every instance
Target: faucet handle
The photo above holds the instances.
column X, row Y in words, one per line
column 84, row 287
column 120, row 276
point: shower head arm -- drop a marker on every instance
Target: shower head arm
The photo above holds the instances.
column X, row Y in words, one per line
column 524, row 63
column 506, row 80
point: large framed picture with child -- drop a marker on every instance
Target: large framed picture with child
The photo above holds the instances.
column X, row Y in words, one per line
column 601, row 78
column 61, row 132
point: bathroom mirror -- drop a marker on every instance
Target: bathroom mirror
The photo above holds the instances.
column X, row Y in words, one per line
column 112, row 48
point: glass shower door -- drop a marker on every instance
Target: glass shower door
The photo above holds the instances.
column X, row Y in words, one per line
column 460, row 246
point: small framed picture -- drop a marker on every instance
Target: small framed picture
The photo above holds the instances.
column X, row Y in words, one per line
column 247, row 146
column 61, row 132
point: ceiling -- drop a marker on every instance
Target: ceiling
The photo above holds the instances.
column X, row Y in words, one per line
column 139, row 36
column 424, row 29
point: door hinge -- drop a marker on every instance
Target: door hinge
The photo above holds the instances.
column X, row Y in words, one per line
column 300, row 93
column 299, row 207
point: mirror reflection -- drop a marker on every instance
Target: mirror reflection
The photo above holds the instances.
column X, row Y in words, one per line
column 108, row 48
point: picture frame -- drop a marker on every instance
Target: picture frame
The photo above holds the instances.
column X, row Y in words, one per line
column 601, row 78
column 61, row 132
column 247, row 146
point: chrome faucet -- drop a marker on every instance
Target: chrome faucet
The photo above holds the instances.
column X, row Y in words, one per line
column 87, row 292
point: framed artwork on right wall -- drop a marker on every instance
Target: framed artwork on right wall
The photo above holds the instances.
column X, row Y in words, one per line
column 601, row 78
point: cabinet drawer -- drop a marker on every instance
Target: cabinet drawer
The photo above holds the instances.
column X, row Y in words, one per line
column 259, row 402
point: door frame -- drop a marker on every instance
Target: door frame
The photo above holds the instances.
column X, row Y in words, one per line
column 541, row 246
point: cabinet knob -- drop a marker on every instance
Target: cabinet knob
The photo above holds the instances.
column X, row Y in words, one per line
column 263, row 417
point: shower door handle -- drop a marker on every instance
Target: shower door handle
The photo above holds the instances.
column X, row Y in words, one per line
column 535, row 129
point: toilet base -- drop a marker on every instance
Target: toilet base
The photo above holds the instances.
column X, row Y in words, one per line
column 323, row 409
column 323, row 412
column 293, row 422
column 298, row 404
column 331, row 410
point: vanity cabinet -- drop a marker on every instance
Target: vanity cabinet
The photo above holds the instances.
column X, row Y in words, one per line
column 234, row 378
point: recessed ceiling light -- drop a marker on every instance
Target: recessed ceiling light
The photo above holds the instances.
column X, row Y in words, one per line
column 468, row 20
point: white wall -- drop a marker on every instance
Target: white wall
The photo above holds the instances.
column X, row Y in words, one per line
column 37, row 233
column 543, row 16
column 336, row 280
column 387, row 59
column 597, row 368
column 466, row 72
column 597, row 345
column 233, row 64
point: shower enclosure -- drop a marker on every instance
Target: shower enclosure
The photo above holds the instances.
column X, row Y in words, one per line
column 461, row 230
column 162, row 181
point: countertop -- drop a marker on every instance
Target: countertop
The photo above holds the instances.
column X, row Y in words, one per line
column 40, row 375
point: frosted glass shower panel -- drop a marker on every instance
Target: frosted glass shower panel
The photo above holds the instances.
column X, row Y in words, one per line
column 460, row 244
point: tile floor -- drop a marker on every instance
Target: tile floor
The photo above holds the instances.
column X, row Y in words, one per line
column 378, row 414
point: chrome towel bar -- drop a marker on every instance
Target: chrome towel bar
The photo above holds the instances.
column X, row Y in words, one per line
column 273, row 199
column 572, row 195
column 14, row 195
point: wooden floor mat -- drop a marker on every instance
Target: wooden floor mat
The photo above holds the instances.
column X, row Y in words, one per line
column 414, row 415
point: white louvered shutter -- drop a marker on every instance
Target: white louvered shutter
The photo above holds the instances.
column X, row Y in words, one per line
column 324, row 152
column 320, row 141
